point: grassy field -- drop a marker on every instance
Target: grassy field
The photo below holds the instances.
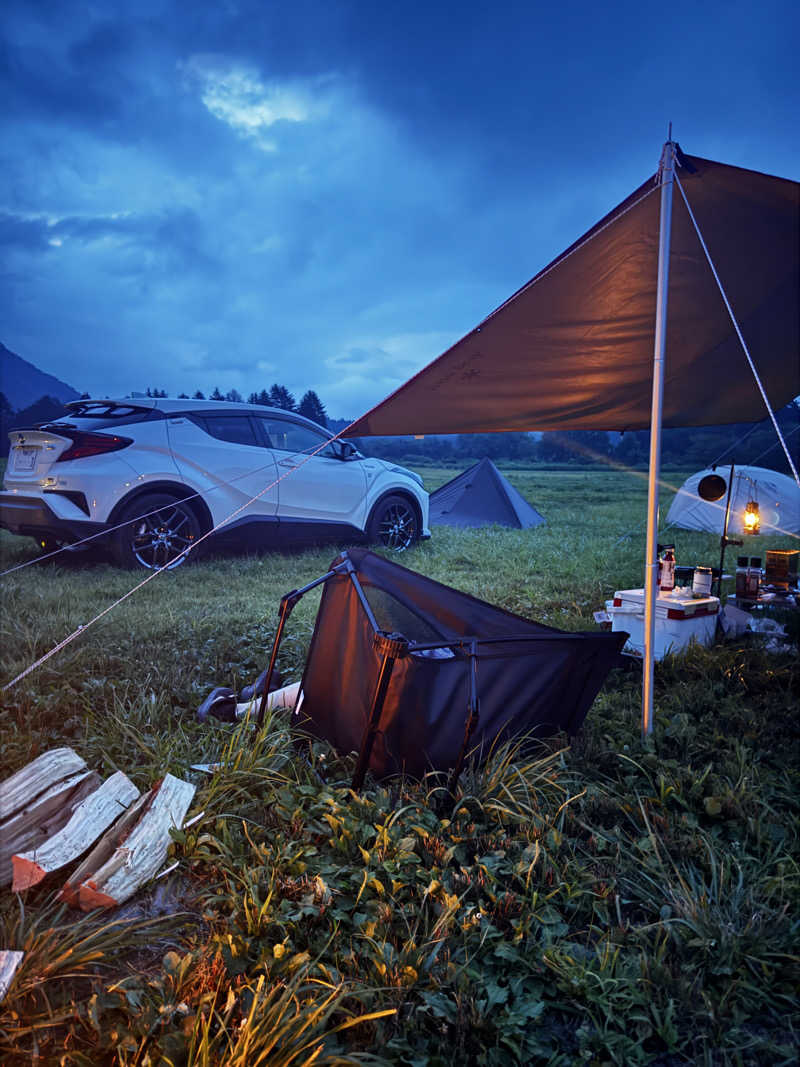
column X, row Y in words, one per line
column 604, row 902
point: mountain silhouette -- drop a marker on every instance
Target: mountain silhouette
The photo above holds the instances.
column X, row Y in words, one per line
column 22, row 383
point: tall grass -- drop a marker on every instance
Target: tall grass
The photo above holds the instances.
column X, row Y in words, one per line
column 602, row 902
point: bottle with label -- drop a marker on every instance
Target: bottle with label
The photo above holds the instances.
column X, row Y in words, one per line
column 667, row 582
column 741, row 576
column 754, row 577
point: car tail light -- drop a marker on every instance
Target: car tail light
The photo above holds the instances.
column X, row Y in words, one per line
column 92, row 444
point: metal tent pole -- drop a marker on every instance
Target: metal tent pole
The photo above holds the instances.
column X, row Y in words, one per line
column 724, row 541
column 666, row 176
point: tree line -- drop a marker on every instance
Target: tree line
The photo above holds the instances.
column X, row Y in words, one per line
column 689, row 448
column 277, row 396
column 48, row 408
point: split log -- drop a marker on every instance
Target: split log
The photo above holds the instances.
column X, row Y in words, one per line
column 35, row 777
column 9, row 961
column 105, row 848
column 89, row 820
column 38, row 801
column 133, row 850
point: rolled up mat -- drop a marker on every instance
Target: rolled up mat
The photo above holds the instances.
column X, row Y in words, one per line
column 219, row 704
column 278, row 698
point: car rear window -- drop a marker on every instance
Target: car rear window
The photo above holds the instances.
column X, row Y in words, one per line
column 100, row 414
column 100, row 409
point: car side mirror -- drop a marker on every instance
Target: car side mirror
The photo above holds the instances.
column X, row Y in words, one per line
column 345, row 450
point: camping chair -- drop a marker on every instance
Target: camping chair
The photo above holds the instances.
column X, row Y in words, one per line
column 411, row 674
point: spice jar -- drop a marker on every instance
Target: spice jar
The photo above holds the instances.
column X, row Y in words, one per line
column 754, row 577
column 701, row 582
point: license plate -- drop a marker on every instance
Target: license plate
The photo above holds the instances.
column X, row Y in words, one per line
column 25, row 459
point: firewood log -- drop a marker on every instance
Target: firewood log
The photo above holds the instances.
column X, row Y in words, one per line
column 105, row 848
column 39, row 800
column 35, row 777
column 89, row 820
column 9, row 961
column 133, row 850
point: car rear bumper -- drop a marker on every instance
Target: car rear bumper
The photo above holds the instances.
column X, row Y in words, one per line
column 30, row 516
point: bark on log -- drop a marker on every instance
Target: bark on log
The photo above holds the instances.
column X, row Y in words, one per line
column 130, row 855
column 89, row 820
column 9, row 961
column 46, row 813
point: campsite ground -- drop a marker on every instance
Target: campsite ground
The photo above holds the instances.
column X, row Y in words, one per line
column 608, row 902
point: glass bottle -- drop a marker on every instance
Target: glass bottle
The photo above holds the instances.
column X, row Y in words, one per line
column 668, row 570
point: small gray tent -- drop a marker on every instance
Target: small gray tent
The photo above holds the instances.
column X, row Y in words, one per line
column 481, row 496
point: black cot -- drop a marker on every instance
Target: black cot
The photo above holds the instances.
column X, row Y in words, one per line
column 412, row 674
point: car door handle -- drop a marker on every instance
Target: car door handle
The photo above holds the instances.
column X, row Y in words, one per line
column 286, row 463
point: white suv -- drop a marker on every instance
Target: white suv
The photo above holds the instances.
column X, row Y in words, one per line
column 154, row 475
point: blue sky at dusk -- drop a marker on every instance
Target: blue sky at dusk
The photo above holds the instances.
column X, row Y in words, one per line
column 329, row 194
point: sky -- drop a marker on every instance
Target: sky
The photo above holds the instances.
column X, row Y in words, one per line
column 329, row 193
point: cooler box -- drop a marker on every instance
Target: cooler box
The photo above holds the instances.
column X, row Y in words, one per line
column 680, row 619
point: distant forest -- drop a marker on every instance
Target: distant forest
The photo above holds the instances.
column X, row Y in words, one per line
column 688, row 448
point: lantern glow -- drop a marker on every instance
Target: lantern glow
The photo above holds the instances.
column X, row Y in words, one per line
column 751, row 519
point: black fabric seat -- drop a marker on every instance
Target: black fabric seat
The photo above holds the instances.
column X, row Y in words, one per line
column 529, row 677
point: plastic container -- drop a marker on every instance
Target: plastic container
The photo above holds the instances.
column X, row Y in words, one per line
column 701, row 582
column 679, row 620
column 781, row 568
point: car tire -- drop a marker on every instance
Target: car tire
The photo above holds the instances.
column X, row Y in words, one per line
column 394, row 524
column 158, row 531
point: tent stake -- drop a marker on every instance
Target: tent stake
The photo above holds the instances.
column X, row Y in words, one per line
column 667, row 176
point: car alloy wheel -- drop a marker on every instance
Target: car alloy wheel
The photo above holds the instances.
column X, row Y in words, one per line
column 160, row 537
column 394, row 524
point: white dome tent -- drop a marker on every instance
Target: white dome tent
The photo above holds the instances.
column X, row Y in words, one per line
column 777, row 496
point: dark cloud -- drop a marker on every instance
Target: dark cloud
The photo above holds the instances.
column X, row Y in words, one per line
column 29, row 234
column 355, row 356
column 328, row 195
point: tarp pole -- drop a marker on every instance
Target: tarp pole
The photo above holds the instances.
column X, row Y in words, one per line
column 666, row 176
